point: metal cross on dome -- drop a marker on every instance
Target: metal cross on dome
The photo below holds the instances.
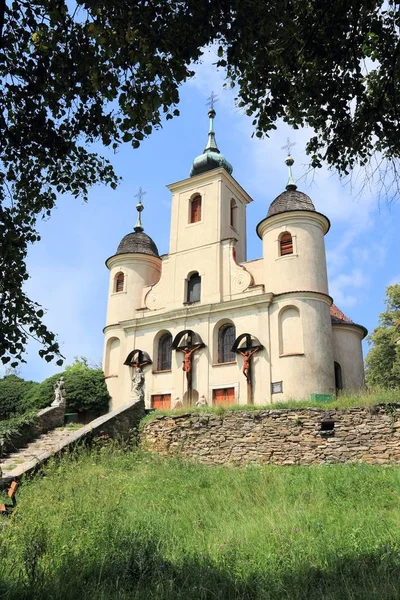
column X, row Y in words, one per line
column 288, row 146
column 213, row 99
column 140, row 194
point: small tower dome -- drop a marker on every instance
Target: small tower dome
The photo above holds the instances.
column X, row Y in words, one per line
column 211, row 157
column 293, row 242
column 291, row 198
column 135, row 266
column 137, row 241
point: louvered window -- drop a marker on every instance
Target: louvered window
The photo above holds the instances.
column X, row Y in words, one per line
column 119, row 282
column 226, row 338
column 234, row 211
column 286, row 244
column 195, row 209
column 194, row 288
column 164, row 352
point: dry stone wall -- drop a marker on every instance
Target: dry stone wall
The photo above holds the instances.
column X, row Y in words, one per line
column 280, row 437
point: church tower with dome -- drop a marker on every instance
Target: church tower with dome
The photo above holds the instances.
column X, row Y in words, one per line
column 204, row 326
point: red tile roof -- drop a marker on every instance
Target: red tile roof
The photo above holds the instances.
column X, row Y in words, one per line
column 338, row 315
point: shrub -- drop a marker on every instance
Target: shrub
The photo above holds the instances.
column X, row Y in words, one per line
column 13, row 390
column 85, row 389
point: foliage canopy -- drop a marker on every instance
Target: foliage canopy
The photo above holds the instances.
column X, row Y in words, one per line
column 13, row 390
column 75, row 73
column 383, row 360
column 85, row 389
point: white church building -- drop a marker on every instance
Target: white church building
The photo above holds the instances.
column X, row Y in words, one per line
column 258, row 331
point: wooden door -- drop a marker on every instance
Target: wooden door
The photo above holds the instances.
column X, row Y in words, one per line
column 161, row 401
column 224, row 396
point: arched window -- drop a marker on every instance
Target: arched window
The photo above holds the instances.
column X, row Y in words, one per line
column 234, row 212
column 112, row 362
column 195, row 209
column 290, row 334
column 226, row 338
column 338, row 377
column 193, row 288
column 286, row 244
column 119, row 282
column 164, row 354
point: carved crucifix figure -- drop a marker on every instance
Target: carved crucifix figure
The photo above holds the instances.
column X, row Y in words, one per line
column 247, row 354
column 188, row 352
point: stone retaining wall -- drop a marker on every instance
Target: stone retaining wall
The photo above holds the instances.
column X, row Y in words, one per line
column 280, row 437
column 45, row 420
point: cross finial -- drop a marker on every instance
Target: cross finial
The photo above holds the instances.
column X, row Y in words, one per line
column 140, row 195
column 288, row 146
column 139, row 208
column 213, row 99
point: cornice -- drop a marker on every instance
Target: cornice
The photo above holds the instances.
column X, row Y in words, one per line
column 305, row 294
column 132, row 257
column 359, row 329
column 215, row 174
column 291, row 216
column 201, row 310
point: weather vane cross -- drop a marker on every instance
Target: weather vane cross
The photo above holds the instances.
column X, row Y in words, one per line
column 288, row 146
column 140, row 194
column 213, row 99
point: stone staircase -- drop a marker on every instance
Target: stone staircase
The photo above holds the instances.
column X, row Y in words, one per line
column 13, row 463
column 121, row 423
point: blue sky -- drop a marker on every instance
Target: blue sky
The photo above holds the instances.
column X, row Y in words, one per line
column 68, row 274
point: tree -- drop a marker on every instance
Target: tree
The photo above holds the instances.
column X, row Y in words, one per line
column 383, row 360
column 91, row 70
column 12, row 392
column 86, row 389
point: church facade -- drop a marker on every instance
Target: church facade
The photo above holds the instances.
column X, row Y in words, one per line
column 204, row 326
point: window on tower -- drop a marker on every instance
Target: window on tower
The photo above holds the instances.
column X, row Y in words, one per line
column 286, row 244
column 195, row 209
column 119, row 282
column 234, row 213
column 193, row 288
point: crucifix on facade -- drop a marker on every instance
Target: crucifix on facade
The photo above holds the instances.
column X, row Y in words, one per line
column 192, row 343
column 247, row 351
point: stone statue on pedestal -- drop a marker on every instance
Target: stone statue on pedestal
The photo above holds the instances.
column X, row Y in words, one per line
column 60, row 396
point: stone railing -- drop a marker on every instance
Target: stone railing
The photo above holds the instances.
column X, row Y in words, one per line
column 45, row 420
column 122, row 423
column 280, row 437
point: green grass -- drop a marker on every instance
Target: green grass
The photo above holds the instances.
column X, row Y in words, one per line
column 125, row 525
column 343, row 401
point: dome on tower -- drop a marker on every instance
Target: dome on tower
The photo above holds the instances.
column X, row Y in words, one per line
column 137, row 241
column 211, row 157
column 291, row 198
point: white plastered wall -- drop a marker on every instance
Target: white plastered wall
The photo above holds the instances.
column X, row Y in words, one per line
column 347, row 351
column 139, row 270
column 307, row 367
column 305, row 269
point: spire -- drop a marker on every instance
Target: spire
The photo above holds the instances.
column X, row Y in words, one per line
column 289, row 162
column 211, row 145
column 211, row 157
column 139, row 207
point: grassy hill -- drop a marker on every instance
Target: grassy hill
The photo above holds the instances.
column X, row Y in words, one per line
column 120, row 524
